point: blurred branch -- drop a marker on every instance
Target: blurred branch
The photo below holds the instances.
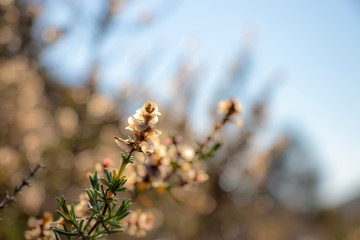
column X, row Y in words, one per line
column 25, row 182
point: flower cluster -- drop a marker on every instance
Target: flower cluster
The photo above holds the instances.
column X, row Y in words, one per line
column 166, row 167
column 157, row 167
column 142, row 123
column 174, row 163
column 187, row 168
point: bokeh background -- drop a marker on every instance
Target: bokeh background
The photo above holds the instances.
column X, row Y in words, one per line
column 71, row 71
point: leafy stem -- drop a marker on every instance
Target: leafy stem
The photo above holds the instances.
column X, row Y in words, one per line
column 102, row 205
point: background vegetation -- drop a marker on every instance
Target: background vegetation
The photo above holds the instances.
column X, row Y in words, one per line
column 258, row 187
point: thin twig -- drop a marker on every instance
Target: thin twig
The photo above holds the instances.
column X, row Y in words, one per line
column 106, row 228
column 25, row 182
column 217, row 127
column 98, row 222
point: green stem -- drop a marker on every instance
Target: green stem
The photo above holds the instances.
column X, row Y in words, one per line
column 217, row 127
column 125, row 162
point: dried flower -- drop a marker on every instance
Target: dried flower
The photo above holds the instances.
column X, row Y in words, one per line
column 125, row 145
column 142, row 123
column 229, row 107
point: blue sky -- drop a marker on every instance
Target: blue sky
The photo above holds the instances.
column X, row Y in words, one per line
column 313, row 44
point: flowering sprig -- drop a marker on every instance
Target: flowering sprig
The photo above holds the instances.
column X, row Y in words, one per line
column 228, row 108
column 105, row 213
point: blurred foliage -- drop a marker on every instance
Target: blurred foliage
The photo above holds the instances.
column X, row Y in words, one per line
column 253, row 192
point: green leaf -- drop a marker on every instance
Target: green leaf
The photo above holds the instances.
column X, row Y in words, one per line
column 63, row 215
column 131, row 159
column 93, row 210
column 103, row 233
column 73, row 213
column 114, row 223
column 94, row 181
column 103, row 194
column 106, row 182
column 212, row 151
column 108, row 175
column 59, row 201
column 116, row 230
column 57, row 237
column 66, row 233
column 81, row 223
column 88, row 221
column 111, row 209
column 121, row 189
column 63, row 205
column 88, row 192
column 122, row 216
column 174, row 164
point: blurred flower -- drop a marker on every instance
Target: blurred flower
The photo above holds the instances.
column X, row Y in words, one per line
column 5, row 2
column 157, row 166
column 186, row 152
column 6, row 34
column 51, row 34
column 41, row 228
column 229, row 107
column 117, row 5
column 106, row 163
column 173, row 140
column 146, row 16
column 138, row 223
column 31, row 199
column 99, row 107
column 81, row 209
column 9, row 160
column 34, row 8
column 151, row 174
column 191, row 174
column 132, row 178
column 61, row 222
column 67, row 120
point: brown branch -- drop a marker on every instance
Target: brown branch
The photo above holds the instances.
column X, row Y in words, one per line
column 25, row 182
